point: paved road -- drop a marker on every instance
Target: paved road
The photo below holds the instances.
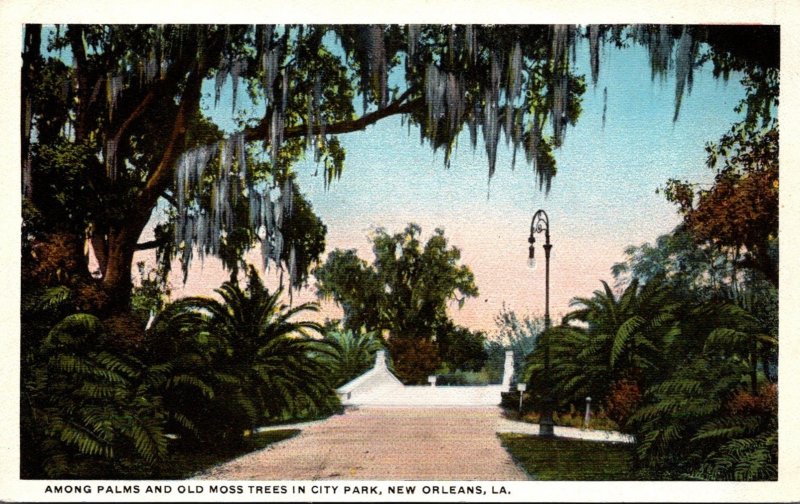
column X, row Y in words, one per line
column 385, row 444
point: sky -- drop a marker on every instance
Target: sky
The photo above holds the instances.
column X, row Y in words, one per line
column 602, row 199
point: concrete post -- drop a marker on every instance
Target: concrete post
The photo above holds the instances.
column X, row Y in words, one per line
column 521, row 387
column 588, row 415
column 380, row 359
column 508, row 369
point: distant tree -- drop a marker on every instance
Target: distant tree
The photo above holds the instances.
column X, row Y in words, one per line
column 519, row 336
column 406, row 290
column 460, row 348
column 689, row 267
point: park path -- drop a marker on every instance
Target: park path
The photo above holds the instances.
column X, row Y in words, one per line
column 391, row 443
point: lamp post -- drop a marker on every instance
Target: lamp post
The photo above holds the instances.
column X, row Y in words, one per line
column 540, row 223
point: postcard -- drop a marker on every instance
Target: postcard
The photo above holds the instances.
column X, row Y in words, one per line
column 463, row 256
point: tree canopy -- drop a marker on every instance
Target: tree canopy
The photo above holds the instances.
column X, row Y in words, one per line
column 114, row 126
column 403, row 294
column 406, row 289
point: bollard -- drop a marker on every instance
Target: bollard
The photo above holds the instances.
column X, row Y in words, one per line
column 588, row 415
column 432, row 380
column 521, row 387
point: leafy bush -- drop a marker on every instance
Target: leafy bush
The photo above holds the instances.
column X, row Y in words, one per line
column 209, row 372
column 460, row 348
column 465, row 378
column 701, row 424
column 88, row 412
column 622, row 400
column 414, row 359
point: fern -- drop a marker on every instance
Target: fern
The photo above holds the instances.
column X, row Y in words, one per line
column 81, row 402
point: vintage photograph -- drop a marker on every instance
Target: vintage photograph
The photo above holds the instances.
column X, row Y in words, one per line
column 398, row 252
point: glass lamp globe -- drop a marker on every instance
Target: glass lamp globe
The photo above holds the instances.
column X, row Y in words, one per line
column 532, row 263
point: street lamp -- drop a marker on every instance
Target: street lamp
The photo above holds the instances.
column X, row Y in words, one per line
column 541, row 224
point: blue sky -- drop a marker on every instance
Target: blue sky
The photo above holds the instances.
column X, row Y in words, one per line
column 602, row 199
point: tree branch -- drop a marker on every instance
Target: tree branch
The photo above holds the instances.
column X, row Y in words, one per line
column 399, row 106
column 75, row 34
column 170, row 198
column 148, row 245
column 172, row 79
column 161, row 176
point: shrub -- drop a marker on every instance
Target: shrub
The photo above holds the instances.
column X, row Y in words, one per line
column 88, row 412
column 623, row 399
column 700, row 424
column 414, row 359
column 745, row 403
column 467, row 378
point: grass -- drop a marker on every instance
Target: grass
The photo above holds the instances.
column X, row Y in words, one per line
column 183, row 463
column 569, row 459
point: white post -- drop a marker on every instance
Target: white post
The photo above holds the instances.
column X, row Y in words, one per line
column 588, row 415
column 380, row 359
column 508, row 369
column 521, row 387
column 432, row 380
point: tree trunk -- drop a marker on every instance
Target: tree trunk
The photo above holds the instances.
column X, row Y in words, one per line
column 117, row 275
column 754, row 367
column 30, row 58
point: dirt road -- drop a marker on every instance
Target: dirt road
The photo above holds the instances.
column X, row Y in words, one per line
column 385, row 444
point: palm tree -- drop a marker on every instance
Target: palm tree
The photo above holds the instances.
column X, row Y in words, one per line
column 631, row 329
column 616, row 338
column 262, row 361
column 579, row 365
column 349, row 354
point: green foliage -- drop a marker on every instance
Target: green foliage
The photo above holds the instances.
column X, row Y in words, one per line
column 690, row 428
column 690, row 270
column 243, row 360
column 354, row 285
column 619, row 337
column 350, row 354
column 86, row 411
column 406, row 291
column 460, row 348
column 208, row 372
